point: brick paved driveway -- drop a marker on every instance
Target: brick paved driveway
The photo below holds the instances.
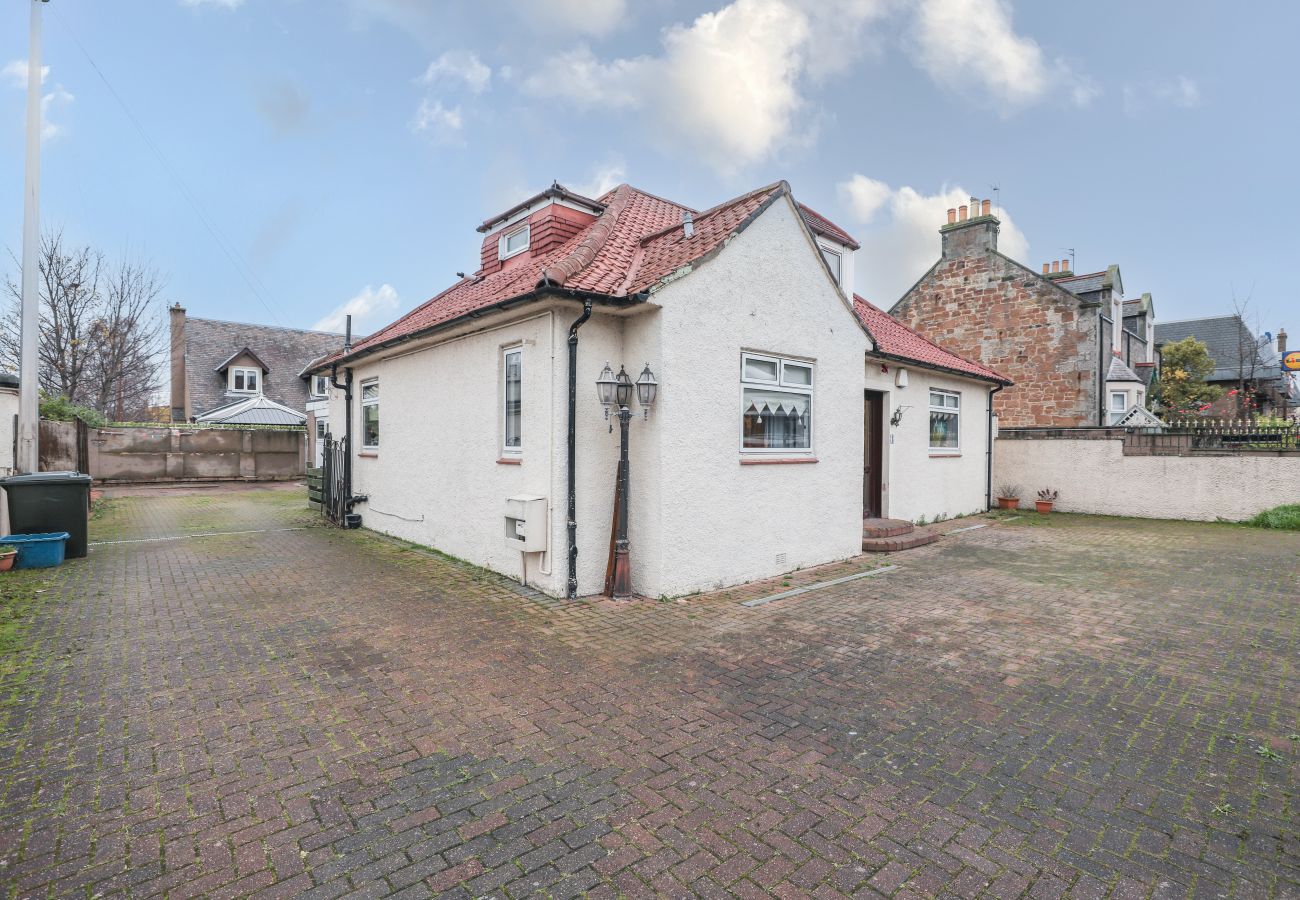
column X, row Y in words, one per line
column 1083, row 707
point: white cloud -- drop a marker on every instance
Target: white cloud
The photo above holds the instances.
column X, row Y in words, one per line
column 594, row 17
column 441, row 124
column 458, row 66
column 366, row 308
column 864, row 196
column 222, row 4
column 604, row 178
column 15, row 73
column 57, row 97
column 1180, row 91
column 905, row 244
column 724, row 87
column 964, row 40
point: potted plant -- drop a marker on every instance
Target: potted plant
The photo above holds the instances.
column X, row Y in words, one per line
column 1008, row 496
column 1046, row 497
column 8, row 553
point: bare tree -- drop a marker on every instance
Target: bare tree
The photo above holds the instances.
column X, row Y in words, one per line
column 1247, row 356
column 100, row 338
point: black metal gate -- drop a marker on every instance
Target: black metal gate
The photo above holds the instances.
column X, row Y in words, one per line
column 334, row 488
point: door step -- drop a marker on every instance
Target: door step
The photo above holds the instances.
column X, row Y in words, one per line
column 892, row 535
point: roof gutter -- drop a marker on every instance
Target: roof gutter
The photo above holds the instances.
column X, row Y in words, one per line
column 532, row 296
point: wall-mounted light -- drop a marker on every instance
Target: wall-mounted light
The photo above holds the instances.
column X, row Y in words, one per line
column 897, row 418
column 900, row 378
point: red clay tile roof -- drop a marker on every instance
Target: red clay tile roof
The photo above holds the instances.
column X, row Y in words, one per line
column 824, row 226
column 895, row 339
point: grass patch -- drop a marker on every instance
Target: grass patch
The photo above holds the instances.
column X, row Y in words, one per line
column 21, row 594
column 1285, row 517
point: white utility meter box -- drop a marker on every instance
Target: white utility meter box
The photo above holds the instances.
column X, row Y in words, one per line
column 526, row 523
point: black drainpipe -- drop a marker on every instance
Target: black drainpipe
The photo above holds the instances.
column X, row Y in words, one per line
column 988, row 502
column 346, row 387
column 573, row 448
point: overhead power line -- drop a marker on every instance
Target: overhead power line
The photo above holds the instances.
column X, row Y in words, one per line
column 236, row 259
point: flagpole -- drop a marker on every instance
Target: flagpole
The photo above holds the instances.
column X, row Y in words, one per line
column 29, row 416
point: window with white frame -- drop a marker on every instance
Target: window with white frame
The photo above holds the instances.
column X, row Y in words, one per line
column 945, row 421
column 512, row 418
column 370, row 414
column 833, row 260
column 776, row 404
column 320, row 385
column 513, row 242
column 1118, row 406
column 244, row 380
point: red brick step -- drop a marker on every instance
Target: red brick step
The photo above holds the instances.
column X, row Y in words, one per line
column 899, row 542
column 884, row 528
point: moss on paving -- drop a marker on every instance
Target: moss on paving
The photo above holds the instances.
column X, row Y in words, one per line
column 22, row 593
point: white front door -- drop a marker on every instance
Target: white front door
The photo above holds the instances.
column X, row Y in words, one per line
column 322, row 424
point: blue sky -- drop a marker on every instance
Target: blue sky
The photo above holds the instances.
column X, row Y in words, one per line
column 344, row 150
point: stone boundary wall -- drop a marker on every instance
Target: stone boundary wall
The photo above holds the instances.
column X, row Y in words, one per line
column 1092, row 472
column 165, row 454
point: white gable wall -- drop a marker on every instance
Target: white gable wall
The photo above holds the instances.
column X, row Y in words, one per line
column 722, row 522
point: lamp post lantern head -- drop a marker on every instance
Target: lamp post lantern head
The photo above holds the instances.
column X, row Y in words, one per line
column 647, row 387
column 606, row 385
column 624, row 390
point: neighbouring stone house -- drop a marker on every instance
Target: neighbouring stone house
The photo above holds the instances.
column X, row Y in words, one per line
column 241, row 373
column 786, row 410
column 1075, row 349
column 1247, row 366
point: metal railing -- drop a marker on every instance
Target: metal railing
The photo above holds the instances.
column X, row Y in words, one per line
column 1216, row 436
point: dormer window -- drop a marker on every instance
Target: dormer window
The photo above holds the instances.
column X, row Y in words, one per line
column 244, row 381
column 514, row 242
column 833, row 260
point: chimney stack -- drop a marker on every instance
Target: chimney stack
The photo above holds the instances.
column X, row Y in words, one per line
column 971, row 229
column 179, row 394
column 1281, row 341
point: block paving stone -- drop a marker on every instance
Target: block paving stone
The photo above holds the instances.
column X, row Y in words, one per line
column 1075, row 707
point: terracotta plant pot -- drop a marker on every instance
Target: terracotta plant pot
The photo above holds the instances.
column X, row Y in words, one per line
column 1043, row 506
column 1008, row 503
column 7, row 560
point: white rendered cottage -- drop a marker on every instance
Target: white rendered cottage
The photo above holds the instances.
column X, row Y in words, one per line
column 784, row 409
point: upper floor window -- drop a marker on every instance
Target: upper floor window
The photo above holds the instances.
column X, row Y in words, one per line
column 833, row 260
column 370, row 414
column 1118, row 406
column 320, row 385
column 945, row 420
column 513, row 242
column 512, row 442
column 776, row 403
column 245, row 381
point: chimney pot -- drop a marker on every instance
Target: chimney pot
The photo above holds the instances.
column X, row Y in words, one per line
column 1047, row 267
column 1056, row 266
column 986, row 208
column 1065, row 265
column 961, row 213
column 952, row 214
column 1281, row 341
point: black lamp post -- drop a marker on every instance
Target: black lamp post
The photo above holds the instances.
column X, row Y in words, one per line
column 616, row 390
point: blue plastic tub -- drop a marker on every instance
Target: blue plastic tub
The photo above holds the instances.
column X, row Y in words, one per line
column 37, row 551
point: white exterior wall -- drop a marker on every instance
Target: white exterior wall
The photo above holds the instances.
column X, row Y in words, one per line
column 721, row 522
column 1094, row 476
column 921, row 483
column 435, row 479
column 8, row 409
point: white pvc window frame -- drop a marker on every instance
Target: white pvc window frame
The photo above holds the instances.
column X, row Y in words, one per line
column 785, row 380
column 369, row 386
column 834, row 260
column 1117, row 413
column 516, row 449
column 320, row 386
column 240, row 375
column 943, row 407
column 504, row 249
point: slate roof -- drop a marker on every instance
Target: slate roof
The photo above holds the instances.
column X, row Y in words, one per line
column 1119, row 371
column 893, row 338
column 255, row 410
column 1083, row 284
column 284, row 352
column 1225, row 336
